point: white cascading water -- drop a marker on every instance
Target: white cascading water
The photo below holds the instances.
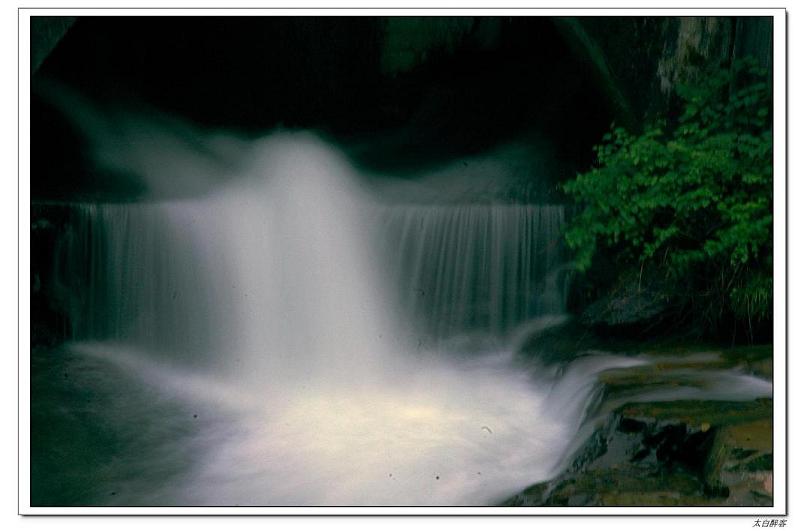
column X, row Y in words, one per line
column 269, row 305
column 475, row 266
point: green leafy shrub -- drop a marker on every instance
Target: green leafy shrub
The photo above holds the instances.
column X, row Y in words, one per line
column 692, row 198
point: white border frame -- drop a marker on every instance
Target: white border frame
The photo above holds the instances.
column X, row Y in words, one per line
column 779, row 244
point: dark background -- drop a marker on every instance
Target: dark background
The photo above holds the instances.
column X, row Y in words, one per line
column 402, row 94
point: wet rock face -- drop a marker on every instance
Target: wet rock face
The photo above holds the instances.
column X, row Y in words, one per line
column 642, row 455
column 661, row 452
column 635, row 302
column 639, row 460
column 627, row 309
column 698, row 42
column 648, row 57
column 743, row 460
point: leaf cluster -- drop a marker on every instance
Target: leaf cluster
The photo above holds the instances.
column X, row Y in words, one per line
column 692, row 197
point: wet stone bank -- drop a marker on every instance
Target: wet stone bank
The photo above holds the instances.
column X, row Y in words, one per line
column 645, row 450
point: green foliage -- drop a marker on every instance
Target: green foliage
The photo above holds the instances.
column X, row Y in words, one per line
column 693, row 198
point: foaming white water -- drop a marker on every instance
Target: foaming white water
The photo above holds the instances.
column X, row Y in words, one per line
column 457, row 433
column 265, row 305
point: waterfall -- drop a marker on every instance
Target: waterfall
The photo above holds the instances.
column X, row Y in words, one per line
column 140, row 272
column 476, row 267
column 275, row 267
column 283, row 334
column 145, row 273
column 130, row 274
